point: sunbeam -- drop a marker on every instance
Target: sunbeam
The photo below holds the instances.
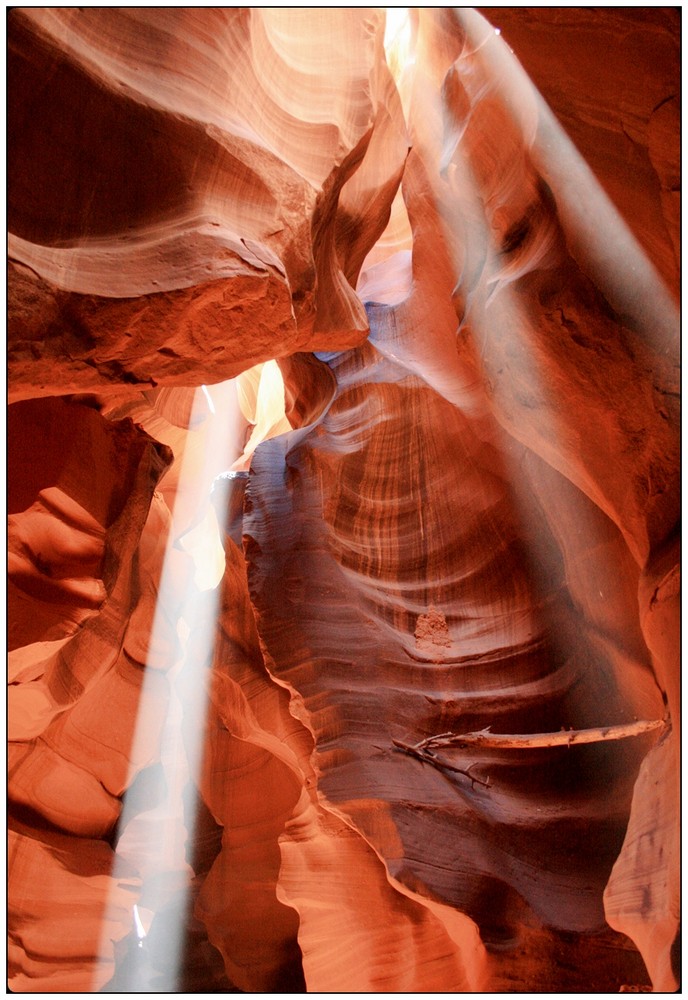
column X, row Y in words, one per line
column 154, row 840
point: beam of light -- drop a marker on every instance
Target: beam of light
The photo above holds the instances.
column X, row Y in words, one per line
column 593, row 225
column 596, row 235
column 202, row 543
column 598, row 238
column 494, row 308
column 400, row 51
column 154, row 839
column 609, row 254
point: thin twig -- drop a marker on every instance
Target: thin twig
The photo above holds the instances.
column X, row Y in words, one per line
column 428, row 757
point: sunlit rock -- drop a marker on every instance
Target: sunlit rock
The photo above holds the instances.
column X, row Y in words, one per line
column 343, row 360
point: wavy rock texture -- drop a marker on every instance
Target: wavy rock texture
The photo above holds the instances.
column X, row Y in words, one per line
column 81, row 496
column 172, row 121
column 636, row 166
column 449, row 502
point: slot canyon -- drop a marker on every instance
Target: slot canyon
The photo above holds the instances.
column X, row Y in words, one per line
column 343, row 493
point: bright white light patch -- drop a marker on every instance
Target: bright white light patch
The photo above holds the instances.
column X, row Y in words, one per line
column 398, row 40
column 211, row 405
column 140, row 932
column 261, row 398
column 396, row 20
column 204, row 544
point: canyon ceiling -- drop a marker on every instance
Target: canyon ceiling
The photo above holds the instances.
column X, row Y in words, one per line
column 343, row 371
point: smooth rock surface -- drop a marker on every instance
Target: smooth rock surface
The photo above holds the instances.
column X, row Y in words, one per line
column 343, row 369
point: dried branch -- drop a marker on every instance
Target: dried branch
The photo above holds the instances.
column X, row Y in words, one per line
column 565, row 737
column 428, row 756
column 425, row 750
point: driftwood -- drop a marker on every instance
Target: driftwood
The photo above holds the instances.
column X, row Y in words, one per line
column 426, row 750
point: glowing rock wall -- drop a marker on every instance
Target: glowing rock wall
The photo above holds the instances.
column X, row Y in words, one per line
column 462, row 515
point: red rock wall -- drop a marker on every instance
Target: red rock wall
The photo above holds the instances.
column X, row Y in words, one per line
column 470, row 286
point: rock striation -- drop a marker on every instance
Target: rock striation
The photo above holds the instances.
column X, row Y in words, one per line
column 343, row 368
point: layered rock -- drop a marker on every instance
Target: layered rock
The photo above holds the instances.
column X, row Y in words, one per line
column 173, row 122
column 227, row 611
column 81, row 494
column 630, row 148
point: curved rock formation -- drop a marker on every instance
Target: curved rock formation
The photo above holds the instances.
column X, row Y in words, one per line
column 172, row 121
column 343, row 368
